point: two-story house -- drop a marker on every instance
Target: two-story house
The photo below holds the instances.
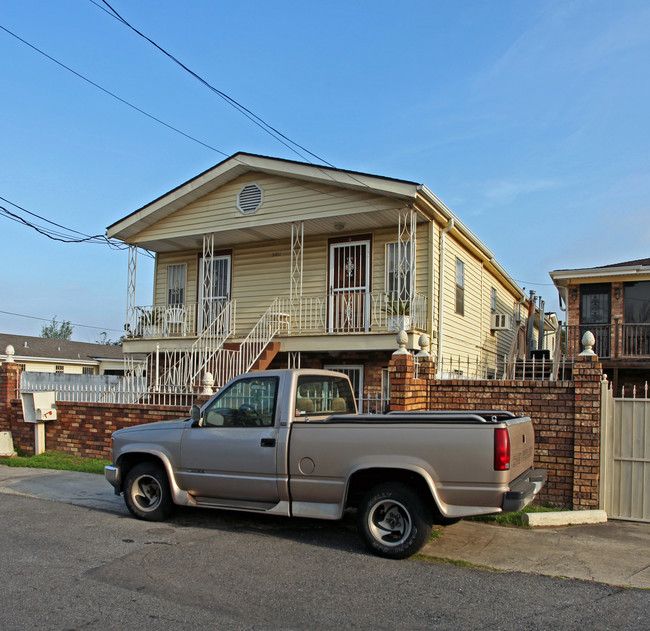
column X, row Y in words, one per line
column 268, row 262
column 613, row 302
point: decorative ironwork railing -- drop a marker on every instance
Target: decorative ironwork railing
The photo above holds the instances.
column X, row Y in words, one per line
column 541, row 368
column 166, row 321
column 353, row 312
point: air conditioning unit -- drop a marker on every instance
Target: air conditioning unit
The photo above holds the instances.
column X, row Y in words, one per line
column 501, row 322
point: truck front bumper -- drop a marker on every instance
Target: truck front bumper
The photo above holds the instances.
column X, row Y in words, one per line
column 112, row 474
column 523, row 490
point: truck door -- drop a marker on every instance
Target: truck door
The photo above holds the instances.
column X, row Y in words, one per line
column 232, row 455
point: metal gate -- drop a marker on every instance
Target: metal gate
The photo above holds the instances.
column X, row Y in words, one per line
column 625, row 456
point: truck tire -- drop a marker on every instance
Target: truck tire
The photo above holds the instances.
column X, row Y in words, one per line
column 394, row 521
column 146, row 492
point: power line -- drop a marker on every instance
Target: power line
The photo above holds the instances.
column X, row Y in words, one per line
column 261, row 123
column 84, row 326
column 112, row 94
column 55, row 235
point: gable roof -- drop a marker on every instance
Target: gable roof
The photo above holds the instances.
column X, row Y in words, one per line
column 47, row 349
column 242, row 163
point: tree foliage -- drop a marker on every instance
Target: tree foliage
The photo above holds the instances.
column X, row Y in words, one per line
column 57, row 330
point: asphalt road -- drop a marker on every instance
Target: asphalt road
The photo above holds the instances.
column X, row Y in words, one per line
column 78, row 567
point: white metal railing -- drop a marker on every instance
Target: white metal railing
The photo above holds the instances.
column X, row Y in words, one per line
column 104, row 389
column 166, row 321
column 375, row 312
column 232, row 363
column 532, row 369
column 208, row 345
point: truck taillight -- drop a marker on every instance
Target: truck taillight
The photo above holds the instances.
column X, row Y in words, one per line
column 111, row 450
column 501, row 449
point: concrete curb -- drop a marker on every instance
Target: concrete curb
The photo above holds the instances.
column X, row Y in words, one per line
column 565, row 518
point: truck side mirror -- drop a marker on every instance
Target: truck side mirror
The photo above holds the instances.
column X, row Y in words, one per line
column 195, row 414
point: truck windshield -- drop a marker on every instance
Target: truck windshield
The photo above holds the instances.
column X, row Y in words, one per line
column 324, row 395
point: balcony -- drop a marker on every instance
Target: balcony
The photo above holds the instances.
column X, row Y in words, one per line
column 343, row 313
column 613, row 341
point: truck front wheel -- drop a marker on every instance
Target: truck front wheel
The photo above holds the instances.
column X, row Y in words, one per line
column 393, row 521
column 146, row 492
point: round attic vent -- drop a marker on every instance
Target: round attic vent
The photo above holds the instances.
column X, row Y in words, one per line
column 249, row 199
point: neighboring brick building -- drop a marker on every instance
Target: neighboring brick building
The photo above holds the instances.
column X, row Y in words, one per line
column 613, row 302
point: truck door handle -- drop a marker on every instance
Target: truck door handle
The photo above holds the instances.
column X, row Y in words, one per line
column 267, row 442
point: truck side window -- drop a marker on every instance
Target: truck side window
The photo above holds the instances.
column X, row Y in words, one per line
column 246, row 403
column 324, row 395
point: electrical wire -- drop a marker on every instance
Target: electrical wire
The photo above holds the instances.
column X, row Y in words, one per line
column 69, row 236
column 261, row 123
column 112, row 94
column 85, row 326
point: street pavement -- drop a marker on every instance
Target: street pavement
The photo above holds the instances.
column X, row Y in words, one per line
column 615, row 553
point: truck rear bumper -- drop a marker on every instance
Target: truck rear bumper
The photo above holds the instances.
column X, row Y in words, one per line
column 523, row 490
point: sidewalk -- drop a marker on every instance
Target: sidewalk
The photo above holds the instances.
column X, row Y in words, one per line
column 617, row 552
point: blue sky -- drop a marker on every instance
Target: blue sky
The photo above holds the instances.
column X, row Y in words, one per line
column 529, row 119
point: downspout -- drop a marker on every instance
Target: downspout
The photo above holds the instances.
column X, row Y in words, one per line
column 441, row 290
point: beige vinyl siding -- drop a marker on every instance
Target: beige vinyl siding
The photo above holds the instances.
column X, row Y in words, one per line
column 463, row 334
column 470, row 335
column 497, row 343
column 285, row 200
column 260, row 272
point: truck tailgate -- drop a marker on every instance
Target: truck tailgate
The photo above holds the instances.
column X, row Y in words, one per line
column 522, row 445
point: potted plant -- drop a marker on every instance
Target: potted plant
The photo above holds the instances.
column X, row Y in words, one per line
column 148, row 323
column 398, row 315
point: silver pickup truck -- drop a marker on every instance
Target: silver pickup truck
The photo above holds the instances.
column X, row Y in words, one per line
column 290, row 442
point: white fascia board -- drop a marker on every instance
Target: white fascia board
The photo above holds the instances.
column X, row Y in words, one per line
column 596, row 272
column 333, row 177
column 22, row 359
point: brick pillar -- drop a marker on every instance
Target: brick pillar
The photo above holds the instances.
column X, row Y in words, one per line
column 407, row 392
column 402, row 373
column 9, row 383
column 587, row 375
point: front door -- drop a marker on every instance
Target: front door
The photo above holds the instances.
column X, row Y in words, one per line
column 214, row 292
column 349, row 295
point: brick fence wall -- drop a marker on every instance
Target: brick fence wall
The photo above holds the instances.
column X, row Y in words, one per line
column 82, row 429
column 565, row 414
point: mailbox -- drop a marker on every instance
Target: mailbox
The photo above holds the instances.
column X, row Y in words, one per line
column 39, row 407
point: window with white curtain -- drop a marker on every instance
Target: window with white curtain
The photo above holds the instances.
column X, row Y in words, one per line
column 398, row 272
column 176, row 280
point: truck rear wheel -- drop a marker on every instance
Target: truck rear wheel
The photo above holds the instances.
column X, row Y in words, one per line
column 393, row 521
column 146, row 492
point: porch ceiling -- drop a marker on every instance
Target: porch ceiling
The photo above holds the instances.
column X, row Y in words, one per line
column 334, row 226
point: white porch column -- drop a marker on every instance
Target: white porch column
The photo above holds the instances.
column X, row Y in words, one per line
column 406, row 253
column 132, row 270
column 295, row 280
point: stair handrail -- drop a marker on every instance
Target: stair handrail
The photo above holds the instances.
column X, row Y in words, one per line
column 267, row 327
column 211, row 340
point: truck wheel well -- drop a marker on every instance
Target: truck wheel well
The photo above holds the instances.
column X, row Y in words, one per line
column 362, row 481
column 130, row 460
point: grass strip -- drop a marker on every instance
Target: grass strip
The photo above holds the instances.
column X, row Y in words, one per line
column 57, row 460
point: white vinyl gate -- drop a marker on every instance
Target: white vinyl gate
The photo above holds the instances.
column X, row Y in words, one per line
column 625, row 456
